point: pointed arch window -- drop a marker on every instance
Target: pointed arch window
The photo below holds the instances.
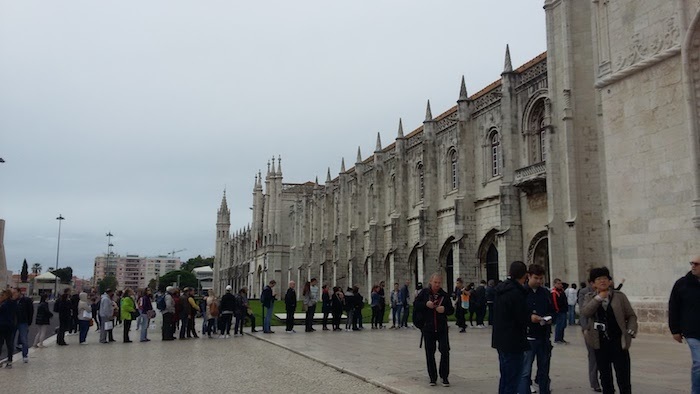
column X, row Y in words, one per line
column 453, row 170
column 421, row 184
column 537, row 131
column 496, row 150
column 392, row 193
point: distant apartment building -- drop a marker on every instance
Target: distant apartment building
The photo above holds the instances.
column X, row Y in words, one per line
column 133, row 271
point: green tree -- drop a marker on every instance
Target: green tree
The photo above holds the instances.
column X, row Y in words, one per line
column 198, row 261
column 152, row 284
column 187, row 279
column 64, row 274
column 109, row 282
column 24, row 275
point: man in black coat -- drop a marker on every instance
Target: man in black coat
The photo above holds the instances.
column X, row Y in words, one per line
column 684, row 316
column 434, row 304
column 290, row 305
column 510, row 320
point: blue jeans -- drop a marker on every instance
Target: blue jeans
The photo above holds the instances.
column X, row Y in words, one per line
column 83, row 328
column 560, row 326
column 511, row 366
column 396, row 315
column 267, row 322
column 22, row 332
column 145, row 321
column 694, row 344
column 542, row 349
column 572, row 314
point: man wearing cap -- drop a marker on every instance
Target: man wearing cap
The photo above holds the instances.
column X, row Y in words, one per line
column 226, row 308
column 168, row 313
column 684, row 317
column 609, row 330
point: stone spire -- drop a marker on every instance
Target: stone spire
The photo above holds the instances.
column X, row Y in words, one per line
column 359, row 155
column 279, row 165
column 508, row 66
column 428, row 113
column 328, row 175
column 224, row 205
column 272, row 172
column 379, row 143
column 463, row 91
column 342, row 165
column 259, row 178
column 400, row 129
column 316, row 181
column 268, row 168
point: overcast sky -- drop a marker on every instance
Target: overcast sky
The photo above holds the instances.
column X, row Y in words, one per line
column 132, row 116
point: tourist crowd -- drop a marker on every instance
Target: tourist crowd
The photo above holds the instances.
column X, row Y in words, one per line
column 522, row 311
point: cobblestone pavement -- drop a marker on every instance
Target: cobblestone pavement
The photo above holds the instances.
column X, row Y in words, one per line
column 234, row 365
column 391, row 358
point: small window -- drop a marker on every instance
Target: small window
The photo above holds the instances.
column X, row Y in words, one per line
column 421, row 184
column 495, row 154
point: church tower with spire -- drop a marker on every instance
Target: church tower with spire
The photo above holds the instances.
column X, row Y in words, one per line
column 223, row 225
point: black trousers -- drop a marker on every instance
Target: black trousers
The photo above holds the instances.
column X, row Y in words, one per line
column 337, row 314
column 290, row 319
column 480, row 314
column 251, row 317
column 167, row 332
column 437, row 340
column 459, row 315
column 226, row 323
column 611, row 354
column 382, row 311
column 127, row 328
column 7, row 335
column 310, row 310
column 326, row 312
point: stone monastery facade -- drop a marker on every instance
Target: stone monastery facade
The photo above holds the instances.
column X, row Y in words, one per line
column 585, row 156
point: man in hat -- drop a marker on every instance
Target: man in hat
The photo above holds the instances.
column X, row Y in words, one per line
column 226, row 307
column 609, row 330
column 684, row 317
column 168, row 313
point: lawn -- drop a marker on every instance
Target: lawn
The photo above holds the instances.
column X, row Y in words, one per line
column 366, row 313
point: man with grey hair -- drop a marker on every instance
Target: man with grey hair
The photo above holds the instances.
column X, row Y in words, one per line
column 168, row 313
column 290, row 304
column 434, row 305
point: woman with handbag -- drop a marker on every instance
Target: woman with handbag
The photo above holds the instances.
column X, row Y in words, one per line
column 84, row 317
column 147, row 313
column 128, row 312
column 43, row 319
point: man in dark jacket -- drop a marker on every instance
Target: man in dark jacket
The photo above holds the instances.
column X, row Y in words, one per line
column 538, row 331
column 435, row 305
column 227, row 307
column 290, row 305
column 459, row 310
column 25, row 314
column 405, row 296
column 267, row 299
column 561, row 306
column 510, row 321
column 480, row 304
column 684, row 317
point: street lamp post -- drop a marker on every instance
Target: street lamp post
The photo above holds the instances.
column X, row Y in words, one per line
column 58, row 248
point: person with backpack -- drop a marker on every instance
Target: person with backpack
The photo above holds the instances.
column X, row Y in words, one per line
column 241, row 311
column 337, row 303
column 146, row 313
column 430, row 310
column 43, row 319
column 359, row 303
column 480, row 304
column 290, row 305
column 350, row 310
column 212, row 312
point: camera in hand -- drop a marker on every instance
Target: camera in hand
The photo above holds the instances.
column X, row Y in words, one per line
column 599, row 326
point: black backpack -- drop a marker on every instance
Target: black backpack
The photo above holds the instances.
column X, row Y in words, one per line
column 418, row 318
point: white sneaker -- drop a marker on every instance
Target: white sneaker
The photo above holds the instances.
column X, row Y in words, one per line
column 227, row 336
column 25, row 360
column 221, row 336
column 533, row 389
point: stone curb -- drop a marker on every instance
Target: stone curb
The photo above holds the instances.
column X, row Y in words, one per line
column 336, row 367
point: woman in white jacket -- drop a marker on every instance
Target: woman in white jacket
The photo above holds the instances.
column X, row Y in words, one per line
column 84, row 317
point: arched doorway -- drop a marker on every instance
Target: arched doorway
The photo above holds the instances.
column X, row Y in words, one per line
column 413, row 266
column 447, row 263
column 538, row 253
column 488, row 256
column 492, row 263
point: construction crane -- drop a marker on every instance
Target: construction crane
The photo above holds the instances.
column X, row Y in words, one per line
column 172, row 254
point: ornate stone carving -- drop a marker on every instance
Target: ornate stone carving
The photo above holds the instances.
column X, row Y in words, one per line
column 646, row 50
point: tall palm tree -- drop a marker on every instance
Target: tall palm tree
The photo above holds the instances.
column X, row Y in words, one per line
column 36, row 269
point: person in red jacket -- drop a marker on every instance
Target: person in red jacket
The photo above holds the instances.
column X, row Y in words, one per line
column 561, row 307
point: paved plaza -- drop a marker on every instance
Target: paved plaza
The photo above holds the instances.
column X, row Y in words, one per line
column 372, row 361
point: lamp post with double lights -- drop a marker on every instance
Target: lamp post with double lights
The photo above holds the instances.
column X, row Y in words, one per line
column 60, row 218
